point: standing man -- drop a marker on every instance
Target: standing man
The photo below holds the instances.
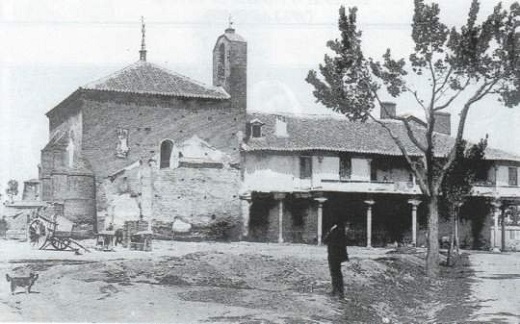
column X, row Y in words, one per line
column 337, row 253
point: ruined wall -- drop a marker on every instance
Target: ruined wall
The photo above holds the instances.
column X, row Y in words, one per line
column 198, row 195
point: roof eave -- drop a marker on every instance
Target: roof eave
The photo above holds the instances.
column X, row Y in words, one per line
column 65, row 101
column 225, row 96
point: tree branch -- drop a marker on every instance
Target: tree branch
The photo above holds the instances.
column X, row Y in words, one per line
column 482, row 91
column 447, row 103
column 419, row 176
column 445, row 80
column 434, row 80
column 416, row 97
column 400, row 145
column 411, row 135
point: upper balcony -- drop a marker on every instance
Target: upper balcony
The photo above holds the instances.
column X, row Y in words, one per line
column 490, row 189
column 392, row 187
column 269, row 182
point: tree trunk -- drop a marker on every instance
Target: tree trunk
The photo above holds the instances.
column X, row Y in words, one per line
column 452, row 237
column 432, row 257
column 456, row 238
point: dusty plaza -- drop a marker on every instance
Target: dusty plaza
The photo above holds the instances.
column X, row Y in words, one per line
column 343, row 161
column 227, row 283
column 185, row 282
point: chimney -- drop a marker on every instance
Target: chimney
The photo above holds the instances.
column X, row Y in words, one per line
column 280, row 129
column 442, row 122
column 387, row 110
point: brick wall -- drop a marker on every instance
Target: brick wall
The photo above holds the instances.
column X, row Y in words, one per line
column 234, row 78
column 81, row 211
column 149, row 121
column 238, row 75
column 60, row 114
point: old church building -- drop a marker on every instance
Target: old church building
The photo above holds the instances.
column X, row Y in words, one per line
column 151, row 143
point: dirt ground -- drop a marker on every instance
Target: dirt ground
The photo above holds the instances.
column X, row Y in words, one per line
column 183, row 282
column 496, row 287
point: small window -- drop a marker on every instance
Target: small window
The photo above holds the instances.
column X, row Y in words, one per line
column 256, row 130
column 166, row 152
column 373, row 171
column 513, row 176
column 411, row 178
column 345, row 167
column 305, row 167
column 481, row 173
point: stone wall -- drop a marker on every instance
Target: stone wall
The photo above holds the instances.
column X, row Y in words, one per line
column 197, row 195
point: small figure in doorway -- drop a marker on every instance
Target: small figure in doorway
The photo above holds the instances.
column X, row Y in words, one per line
column 337, row 254
column 4, row 226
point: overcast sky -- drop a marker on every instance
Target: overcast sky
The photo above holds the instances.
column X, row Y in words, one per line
column 50, row 48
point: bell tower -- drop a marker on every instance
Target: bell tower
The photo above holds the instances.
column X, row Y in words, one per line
column 230, row 66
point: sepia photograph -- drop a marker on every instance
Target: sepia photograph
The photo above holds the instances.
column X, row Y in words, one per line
column 260, row 162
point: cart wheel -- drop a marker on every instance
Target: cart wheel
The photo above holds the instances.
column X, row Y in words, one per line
column 60, row 243
column 39, row 233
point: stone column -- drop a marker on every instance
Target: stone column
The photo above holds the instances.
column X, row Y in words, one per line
column 320, row 201
column 369, row 203
column 415, row 203
column 496, row 214
column 280, row 196
column 245, row 209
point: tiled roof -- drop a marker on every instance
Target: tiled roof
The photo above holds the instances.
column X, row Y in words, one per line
column 341, row 135
column 496, row 154
column 148, row 78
